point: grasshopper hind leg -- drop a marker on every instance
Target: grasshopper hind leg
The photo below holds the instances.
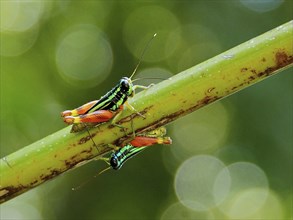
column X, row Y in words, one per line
column 130, row 107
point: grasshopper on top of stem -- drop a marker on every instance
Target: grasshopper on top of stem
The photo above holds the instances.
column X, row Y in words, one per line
column 108, row 107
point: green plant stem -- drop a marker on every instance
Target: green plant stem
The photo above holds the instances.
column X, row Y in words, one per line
column 189, row 90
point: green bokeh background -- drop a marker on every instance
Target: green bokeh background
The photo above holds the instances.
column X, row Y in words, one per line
column 34, row 92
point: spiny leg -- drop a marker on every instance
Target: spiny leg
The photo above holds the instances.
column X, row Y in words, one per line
column 106, row 159
column 114, row 119
column 132, row 127
column 143, row 87
column 130, row 107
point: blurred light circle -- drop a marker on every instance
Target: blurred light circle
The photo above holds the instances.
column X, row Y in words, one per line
column 21, row 211
column 198, row 53
column 17, row 43
column 97, row 12
column 261, row 5
column 84, row 56
column 247, row 202
column 27, row 206
column 195, row 179
column 171, row 163
column 172, row 41
column 197, row 43
column 201, row 132
column 8, row 14
column 272, row 209
column 142, row 24
column 248, row 190
column 20, row 15
column 177, row 211
column 235, row 152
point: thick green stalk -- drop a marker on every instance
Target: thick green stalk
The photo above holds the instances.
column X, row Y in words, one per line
column 189, row 90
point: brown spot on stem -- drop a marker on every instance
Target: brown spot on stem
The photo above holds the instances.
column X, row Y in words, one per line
column 33, row 183
column 10, row 192
column 253, row 71
column 49, row 176
column 87, row 138
column 282, row 59
column 87, row 151
column 207, row 99
column 70, row 163
column 251, row 78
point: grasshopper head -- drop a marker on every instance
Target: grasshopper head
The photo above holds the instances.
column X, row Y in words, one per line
column 126, row 86
column 115, row 163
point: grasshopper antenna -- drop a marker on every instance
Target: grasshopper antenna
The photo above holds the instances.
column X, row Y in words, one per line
column 142, row 54
column 104, row 170
column 148, row 78
column 89, row 179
